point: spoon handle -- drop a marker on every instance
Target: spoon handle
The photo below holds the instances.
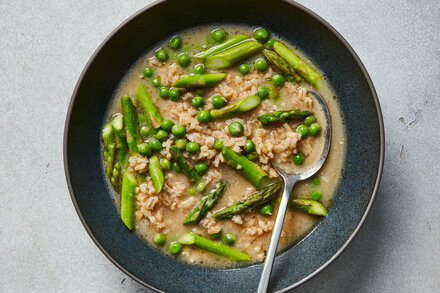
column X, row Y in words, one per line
column 276, row 233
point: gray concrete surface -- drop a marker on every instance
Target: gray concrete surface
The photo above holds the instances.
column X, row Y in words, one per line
column 44, row 45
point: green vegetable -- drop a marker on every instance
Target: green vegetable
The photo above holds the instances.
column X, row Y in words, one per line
column 315, row 195
column 176, row 168
column 263, row 92
column 258, row 198
column 314, row 129
column 281, row 65
column 167, row 125
column 218, row 101
column 253, row 172
column 233, row 55
column 128, row 192
column 153, row 116
column 178, row 130
column 282, row 116
column 274, row 93
column 261, row 35
column 192, row 147
column 148, row 72
column 261, row 65
column 175, row 94
column 236, row 108
column 252, row 156
column 217, row 235
column 162, row 135
column 201, row 168
column 218, row 35
column 156, row 173
column 165, row 164
column 162, row 55
column 189, row 170
column 226, row 44
column 312, row 207
column 298, row 158
column 164, row 92
column 144, row 149
column 197, row 102
column 249, row 146
column 175, row 43
column 120, row 140
column 244, row 69
column 303, row 130
column 183, row 59
column 206, row 203
column 201, row 187
column 229, row 239
column 219, row 248
column 199, row 69
column 269, row 44
column 218, row 144
column 145, row 131
column 159, row 239
column 309, row 120
column 316, row 181
column 199, row 92
column 155, row 82
column 175, row 247
column 109, row 147
column 278, row 80
column 236, row 128
column 203, row 116
column 155, row 144
column 181, row 143
column 199, row 80
column 192, row 191
column 131, row 123
column 299, row 65
column 266, row 210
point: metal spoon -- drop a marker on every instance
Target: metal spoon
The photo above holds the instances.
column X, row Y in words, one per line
column 289, row 181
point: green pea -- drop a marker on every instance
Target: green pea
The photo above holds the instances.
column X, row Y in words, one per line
column 183, row 59
column 298, row 158
column 261, row 35
column 148, row 72
column 309, row 120
column 159, row 239
column 155, row 144
column 249, row 146
column 314, row 129
column 162, row 55
column 252, row 156
column 201, row 168
column 244, row 69
column 176, row 168
column 269, row 44
column 164, row 92
column 192, row 191
column 278, row 79
column 218, row 101
column 162, row 135
column 175, row 43
column 181, row 143
column 145, row 130
column 263, row 92
column 261, row 64
column 199, row 69
column 155, row 82
column 175, row 94
column 192, row 147
column 217, row 235
column 229, row 239
column 316, row 195
column 218, row 144
column 201, row 187
column 167, row 125
column 218, row 35
column 144, row 149
column 266, row 210
column 316, row 181
column 165, row 163
column 197, row 101
column 303, row 130
column 178, row 130
column 236, row 128
column 199, row 92
column 175, row 247
column 203, row 116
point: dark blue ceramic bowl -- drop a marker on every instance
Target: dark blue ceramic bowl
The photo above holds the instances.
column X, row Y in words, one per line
column 82, row 158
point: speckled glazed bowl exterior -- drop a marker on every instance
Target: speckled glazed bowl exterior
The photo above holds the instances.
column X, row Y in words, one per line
column 82, row 158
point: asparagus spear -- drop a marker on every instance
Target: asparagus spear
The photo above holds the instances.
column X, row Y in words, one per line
column 310, row 206
column 282, row 116
column 199, row 80
column 233, row 55
column 235, row 108
column 219, row 248
column 109, row 148
column 131, row 123
column 121, row 143
column 127, row 199
column 299, row 65
column 226, row 44
column 257, row 199
column 253, row 172
column 206, row 203
column 189, row 170
column 156, row 173
column 281, row 64
column 153, row 116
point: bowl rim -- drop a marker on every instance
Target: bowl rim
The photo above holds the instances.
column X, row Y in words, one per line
column 317, row 18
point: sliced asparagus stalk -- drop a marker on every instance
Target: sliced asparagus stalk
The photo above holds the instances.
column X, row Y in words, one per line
column 199, row 80
column 120, row 139
column 281, row 64
column 226, row 44
column 310, row 206
column 257, row 199
column 299, row 65
column 253, row 172
column 131, row 123
column 189, row 170
column 109, row 148
column 282, row 116
column 156, row 173
column 219, row 248
column 235, row 108
column 233, row 55
column 205, row 204
column 127, row 199
column 150, row 110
